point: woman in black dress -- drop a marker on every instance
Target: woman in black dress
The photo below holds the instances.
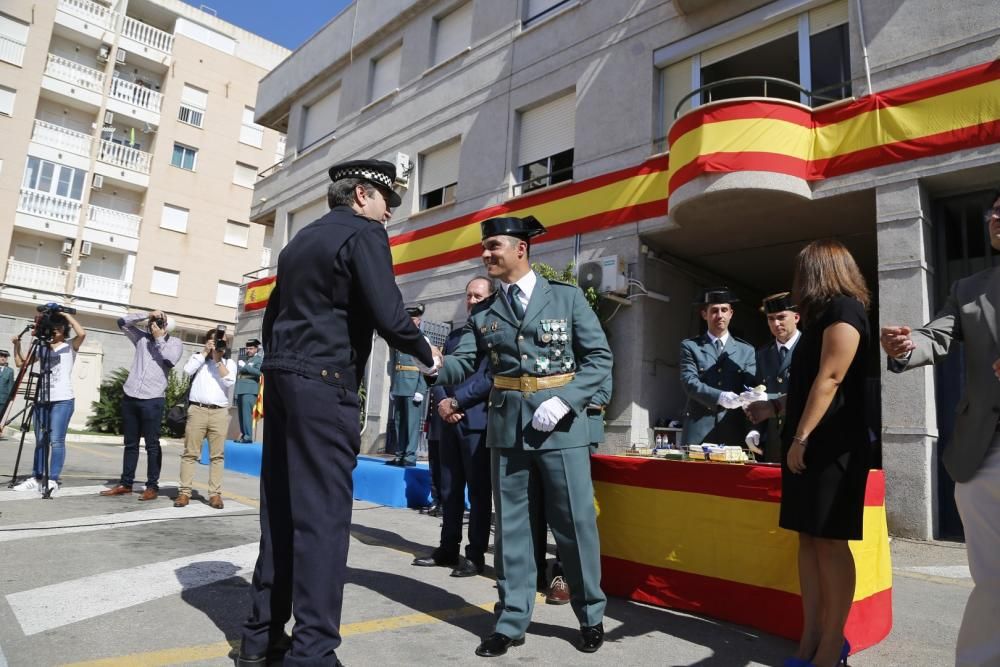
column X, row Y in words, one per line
column 825, row 447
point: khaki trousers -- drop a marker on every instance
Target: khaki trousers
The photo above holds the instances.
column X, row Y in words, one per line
column 978, row 503
column 204, row 423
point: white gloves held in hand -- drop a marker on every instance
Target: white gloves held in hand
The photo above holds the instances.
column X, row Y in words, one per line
column 753, row 442
column 548, row 414
column 730, row 400
column 418, row 398
column 241, row 363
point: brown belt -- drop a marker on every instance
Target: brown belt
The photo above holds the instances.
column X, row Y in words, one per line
column 208, row 405
column 529, row 384
column 406, row 368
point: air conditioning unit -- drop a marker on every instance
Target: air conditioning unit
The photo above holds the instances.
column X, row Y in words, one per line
column 403, row 169
column 85, row 248
column 109, row 117
column 67, row 247
column 104, row 53
column 98, row 182
column 120, row 55
column 604, row 274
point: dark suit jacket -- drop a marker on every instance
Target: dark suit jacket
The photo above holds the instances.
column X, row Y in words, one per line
column 969, row 316
column 705, row 374
column 471, row 394
column 335, row 287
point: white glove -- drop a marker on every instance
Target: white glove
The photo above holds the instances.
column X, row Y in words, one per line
column 751, row 396
column 548, row 414
column 418, row 398
column 241, row 363
column 753, row 442
column 730, row 400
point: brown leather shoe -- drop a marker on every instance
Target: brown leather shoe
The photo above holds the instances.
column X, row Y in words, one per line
column 215, row 501
column 118, row 490
column 149, row 494
column 182, row 500
column 558, row 592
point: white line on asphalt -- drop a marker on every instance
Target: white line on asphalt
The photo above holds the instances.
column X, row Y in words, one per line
column 54, row 606
column 3, row 658
column 86, row 524
column 69, row 491
column 946, row 571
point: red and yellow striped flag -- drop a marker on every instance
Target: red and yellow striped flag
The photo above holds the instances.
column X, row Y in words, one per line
column 258, row 292
column 258, row 407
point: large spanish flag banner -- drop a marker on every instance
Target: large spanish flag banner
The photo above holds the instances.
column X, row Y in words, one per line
column 257, row 293
column 704, row 537
column 956, row 111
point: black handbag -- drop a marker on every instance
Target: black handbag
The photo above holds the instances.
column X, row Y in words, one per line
column 177, row 414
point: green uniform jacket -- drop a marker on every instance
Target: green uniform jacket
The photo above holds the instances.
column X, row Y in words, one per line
column 6, row 383
column 596, row 416
column 535, row 347
column 405, row 383
column 248, row 377
column 705, row 374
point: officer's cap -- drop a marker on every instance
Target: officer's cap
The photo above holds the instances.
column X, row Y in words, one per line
column 254, row 342
column 4, row 353
column 777, row 303
column 376, row 172
column 416, row 310
column 522, row 228
column 716, row 295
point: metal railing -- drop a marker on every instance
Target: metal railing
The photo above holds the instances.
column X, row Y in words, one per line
column 11, row 51
column 813, row 97
column 99, row 287
column 73, row 72
column 133, row 93
column 63, row 138
column 113, row 222
column 147, row 34
column 46, row 205
column 270, row 171
column 35, row 276
column 121, row 155
column 90, row 11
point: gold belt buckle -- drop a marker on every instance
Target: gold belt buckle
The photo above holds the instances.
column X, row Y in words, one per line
column 529, row 384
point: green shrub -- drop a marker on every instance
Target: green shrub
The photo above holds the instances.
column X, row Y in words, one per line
column 567, row 275
column 106, row 412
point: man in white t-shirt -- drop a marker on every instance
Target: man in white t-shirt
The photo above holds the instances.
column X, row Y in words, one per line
column 212, row 380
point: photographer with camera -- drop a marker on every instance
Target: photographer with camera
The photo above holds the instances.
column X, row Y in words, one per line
column 212, row 379
column 52, row 412
column 156, row 352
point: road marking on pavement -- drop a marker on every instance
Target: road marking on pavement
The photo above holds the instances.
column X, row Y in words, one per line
column 3, row 658
column 56, row 605
column 86, row 524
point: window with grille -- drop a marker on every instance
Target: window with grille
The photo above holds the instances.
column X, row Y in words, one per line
column 193, row 103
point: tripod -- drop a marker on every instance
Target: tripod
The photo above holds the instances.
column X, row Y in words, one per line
column 39, row 351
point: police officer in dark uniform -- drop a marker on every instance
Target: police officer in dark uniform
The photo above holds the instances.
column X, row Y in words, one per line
column 335, row 287
column 408, row 388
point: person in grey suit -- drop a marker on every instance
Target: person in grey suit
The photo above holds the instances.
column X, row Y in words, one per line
column 715, row 368
column 773, row 363
column 972, row 458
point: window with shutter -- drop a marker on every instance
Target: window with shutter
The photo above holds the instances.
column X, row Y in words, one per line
column 545, row 148
column 237, row 234
column 7, row 96
column 194, row 101
column 301, row 217
column 13, row 39
column 385, row 74
column 174, row 218
column 319, row 119
column 244, row 175
column 164, row 281
column 227, row 294
column 453, row 33
column 439, row 176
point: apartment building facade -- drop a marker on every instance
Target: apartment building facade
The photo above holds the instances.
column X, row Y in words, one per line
column 127, row 165
column 669, row 146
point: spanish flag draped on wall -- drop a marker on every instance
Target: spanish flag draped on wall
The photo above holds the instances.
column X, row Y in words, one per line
column 258, row 407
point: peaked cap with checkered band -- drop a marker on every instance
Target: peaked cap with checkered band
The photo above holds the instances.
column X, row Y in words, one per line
column 376, row 172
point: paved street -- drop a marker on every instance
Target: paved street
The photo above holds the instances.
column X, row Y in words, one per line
column 112, row 581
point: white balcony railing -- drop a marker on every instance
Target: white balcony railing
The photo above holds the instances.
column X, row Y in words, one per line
column 252, row 135
column 89, row 11
column 11, row 51
column 121, row 155
column 265, row 257
column 114, row 222
column 72, row 72
column 148, row 35
column 132, row 93
column 50, row 206
column 62, row 138
column 99, row 287
column 35, row 276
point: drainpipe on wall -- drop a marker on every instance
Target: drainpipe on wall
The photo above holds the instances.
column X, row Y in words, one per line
column 864, row 46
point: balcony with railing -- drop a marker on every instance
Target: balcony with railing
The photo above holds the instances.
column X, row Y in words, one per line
column 11, row 51
column 75, row 75
column 113, row 222
column 90, row 12
column 101, row 288
column 35, row 276
column 147, row 35
column 136, row 95
column 61, row 138
column 49, row 206
column 124, row 156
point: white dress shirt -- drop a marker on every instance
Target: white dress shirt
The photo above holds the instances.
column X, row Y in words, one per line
column 526, row 284
column 208, row 386
column 790, row 343
column 724, row 338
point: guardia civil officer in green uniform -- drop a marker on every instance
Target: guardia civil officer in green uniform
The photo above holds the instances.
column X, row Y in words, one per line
column 6, row 381
column 248, row 387
column 715, row 368
column 773, row 363
column 548, row 356
column 408, row 388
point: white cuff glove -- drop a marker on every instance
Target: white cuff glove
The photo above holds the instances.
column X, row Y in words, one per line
column 730, row 400
column 751, row 396
column 418, row 398
column 753, row 442
column 548, row 414
column 241, row 363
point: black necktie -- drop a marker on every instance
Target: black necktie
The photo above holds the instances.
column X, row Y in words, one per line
column 515, row 302
column 782, row 353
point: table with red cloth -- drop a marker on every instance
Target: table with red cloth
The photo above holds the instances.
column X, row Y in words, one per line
column 704, row 537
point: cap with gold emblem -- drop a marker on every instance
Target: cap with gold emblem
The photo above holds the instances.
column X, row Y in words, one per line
column 716, row 295
column 777, row 303
column 522, row 228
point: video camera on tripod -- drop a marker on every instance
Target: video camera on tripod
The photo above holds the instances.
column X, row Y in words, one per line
column 49, row 318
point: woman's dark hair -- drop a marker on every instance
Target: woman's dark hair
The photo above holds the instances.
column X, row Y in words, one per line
column 825, row 269
column 60, row 323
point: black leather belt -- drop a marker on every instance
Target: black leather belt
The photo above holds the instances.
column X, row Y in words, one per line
column 210, row 407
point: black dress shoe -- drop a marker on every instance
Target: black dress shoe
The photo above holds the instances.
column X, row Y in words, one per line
column 275, row 652
column 591, row 638
column 437, row 559
column 393, row 462
column 467, row 568
column 496, row 645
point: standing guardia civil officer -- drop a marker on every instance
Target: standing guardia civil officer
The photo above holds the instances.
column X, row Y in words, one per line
column 548, row 356
column 715, row 368
column 773, row 363
column 408, row 388
column 6, row 383
column 335, row 287
column 248, row 387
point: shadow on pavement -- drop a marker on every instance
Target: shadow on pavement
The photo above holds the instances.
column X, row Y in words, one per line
column 224, row 600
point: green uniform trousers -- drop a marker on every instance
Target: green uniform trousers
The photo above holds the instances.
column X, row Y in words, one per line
column 569, row 508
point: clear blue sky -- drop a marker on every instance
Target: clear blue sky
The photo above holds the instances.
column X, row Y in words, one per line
column 287, row 22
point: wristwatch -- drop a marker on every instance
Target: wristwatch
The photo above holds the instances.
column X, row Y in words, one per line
column 453, row 402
